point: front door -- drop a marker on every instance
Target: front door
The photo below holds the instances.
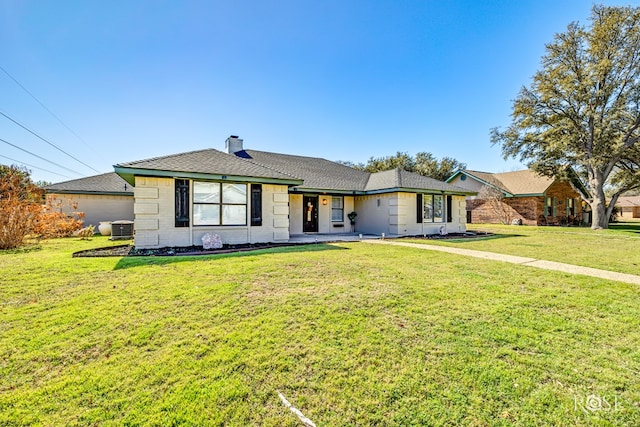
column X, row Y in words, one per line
column 310, row 214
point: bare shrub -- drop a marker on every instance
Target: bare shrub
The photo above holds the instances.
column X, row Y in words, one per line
column 54, row 222
column 494, row 198
column 20, row 206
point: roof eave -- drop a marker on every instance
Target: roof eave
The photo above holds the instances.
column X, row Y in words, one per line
column 95, row 193
column 300, row 190
column 420, row 190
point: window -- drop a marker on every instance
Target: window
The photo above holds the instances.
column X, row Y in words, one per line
column 217, row 203
column 571, row 207
column 438, row 208
column 182, row 203
column 256, row 204
column 432, row 209
column 337, row 209
column 550, row 206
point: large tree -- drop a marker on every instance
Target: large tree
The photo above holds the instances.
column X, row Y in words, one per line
column 423, row 164
column 582, row 109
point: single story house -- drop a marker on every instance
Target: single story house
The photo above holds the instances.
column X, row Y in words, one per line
column 522, row 196
column 249, row 196
column 105, row 197
column 628, row 207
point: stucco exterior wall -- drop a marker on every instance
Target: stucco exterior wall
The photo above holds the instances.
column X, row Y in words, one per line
column 154, row 210
column 629, row 212
column 325, row 225
column 295, row 213
column 395, row 214
column 467, row 183
column 96, row 207
column 372, row 213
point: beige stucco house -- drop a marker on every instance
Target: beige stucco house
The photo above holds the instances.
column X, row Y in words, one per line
column 249, row 196
column 628, row 207
column 105, row 197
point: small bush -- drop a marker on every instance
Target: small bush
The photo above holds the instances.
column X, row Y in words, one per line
column 22, row 212
column 20, row 206
column 54, row 222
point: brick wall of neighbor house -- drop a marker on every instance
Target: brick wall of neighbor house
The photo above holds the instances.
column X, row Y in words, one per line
column 527, row 209
column 155, row 218
column 562, row 191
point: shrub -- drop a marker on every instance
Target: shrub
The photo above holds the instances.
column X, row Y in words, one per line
column 20, row 206
column 54, row 222
column 22, row 212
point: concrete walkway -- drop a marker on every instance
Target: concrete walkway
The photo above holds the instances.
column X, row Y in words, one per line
column 529, row 262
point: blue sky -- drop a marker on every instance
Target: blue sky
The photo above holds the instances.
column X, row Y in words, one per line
column 342, row 80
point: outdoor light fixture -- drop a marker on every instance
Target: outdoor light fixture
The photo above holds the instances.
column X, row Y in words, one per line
column 324, row 201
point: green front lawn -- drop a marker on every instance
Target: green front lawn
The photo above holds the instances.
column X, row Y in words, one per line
column 615, row 249
column 351, row 334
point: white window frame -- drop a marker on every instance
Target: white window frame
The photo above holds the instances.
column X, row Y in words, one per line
column 223, row 204
column 339, row 209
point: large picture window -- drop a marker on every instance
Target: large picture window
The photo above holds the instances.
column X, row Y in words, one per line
column 433, row 207
column 217, row 203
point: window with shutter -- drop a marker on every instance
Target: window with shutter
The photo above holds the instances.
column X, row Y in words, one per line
column 256, row 205
column 182, row 203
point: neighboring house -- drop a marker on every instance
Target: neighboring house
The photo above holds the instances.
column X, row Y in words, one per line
column 105, row 197
column 628, row 206
column 249, row 196
column 523, row 195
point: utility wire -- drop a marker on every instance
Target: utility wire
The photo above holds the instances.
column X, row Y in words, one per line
column 40, row 157
column 35, row 167
column 45, row 107
column 48, row 142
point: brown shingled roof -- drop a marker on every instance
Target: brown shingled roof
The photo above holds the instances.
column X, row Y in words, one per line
column 516, row 183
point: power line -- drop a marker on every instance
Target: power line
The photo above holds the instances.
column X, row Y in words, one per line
column 35, row 167
column 48, row 142
column 45, row 107
column 40, row 157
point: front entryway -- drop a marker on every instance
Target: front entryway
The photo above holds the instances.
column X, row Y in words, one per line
column 310, row 214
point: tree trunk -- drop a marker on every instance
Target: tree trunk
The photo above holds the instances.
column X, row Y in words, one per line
column 599, row 218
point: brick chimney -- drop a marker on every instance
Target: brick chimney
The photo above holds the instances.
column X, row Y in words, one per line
column 233, row 144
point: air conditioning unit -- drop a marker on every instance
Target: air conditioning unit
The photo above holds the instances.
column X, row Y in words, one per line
column 121, row 230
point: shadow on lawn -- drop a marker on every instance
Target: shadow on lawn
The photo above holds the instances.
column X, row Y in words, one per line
column 477, row 238
column 632, row 227
column 139, row 261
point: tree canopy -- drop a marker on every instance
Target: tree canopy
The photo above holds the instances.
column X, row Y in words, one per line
column 422, row 163
column 582, row 108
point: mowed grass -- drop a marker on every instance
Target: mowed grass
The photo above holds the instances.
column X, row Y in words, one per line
column 615, row 249
column 352, row 334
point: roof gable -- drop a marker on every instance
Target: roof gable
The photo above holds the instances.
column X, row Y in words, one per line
column 402, row 179
column 517, row 183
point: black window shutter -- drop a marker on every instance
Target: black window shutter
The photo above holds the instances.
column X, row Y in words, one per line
column 256, row 205
column 419, row 212
column 182, row 202
column 449, row 205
